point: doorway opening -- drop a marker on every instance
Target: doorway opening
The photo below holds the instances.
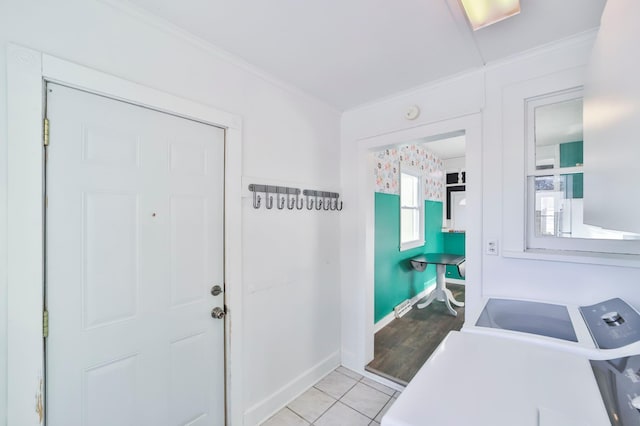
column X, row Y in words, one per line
column 411, row 318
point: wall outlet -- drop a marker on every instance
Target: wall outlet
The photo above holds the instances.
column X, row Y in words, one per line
column 492, row 248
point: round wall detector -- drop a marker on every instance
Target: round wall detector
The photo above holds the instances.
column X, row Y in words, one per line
column 412, row 112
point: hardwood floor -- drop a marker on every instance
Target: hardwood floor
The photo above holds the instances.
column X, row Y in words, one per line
column 404, row 345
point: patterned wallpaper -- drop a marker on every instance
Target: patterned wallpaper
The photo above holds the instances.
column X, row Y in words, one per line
column 387, row 174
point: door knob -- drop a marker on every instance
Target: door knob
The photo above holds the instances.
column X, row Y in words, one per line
column 216, row 290
column 217, row 313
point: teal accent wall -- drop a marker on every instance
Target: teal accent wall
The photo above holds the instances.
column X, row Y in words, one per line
column 454, row 242
column 394, row 279
column 571, row 155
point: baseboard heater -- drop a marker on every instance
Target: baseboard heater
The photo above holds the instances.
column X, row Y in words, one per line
column 402, row 308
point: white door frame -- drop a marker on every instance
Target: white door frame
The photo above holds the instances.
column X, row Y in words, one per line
column 27, row 70
column 471, row 125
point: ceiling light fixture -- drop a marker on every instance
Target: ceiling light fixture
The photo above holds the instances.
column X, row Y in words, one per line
column 482, row 13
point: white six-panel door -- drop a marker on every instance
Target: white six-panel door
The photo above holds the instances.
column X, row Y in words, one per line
column 134, row 244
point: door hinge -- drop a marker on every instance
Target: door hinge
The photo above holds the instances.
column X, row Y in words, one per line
column 45, row 323
column 46, row 132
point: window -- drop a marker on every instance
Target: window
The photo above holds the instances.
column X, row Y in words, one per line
column 411, row 210
column 555, row 173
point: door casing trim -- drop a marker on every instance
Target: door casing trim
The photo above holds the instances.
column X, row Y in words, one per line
column 471, row 126
column 27, row 72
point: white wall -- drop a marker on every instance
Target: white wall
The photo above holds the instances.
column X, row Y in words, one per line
column 453, row 165
column 291, row 260
column 481, row 90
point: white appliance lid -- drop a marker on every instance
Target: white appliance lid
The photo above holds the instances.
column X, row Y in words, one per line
column 478, row 379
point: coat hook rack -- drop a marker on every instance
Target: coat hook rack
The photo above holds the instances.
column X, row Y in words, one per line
column 290, row 198
column 282, row 196
column 323, row 200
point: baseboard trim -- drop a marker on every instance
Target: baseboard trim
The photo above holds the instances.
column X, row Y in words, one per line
column 429, row 285
column 280, row 398
column 383, row 322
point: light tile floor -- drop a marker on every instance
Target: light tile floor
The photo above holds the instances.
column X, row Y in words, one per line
column 342, row 398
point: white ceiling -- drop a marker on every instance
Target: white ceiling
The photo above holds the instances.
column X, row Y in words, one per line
column 351, row 52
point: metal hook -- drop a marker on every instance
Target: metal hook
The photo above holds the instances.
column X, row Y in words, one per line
column 280, row 201
column 333, row 203
column 299, row 203
column 327, row 205
column 268, row 199
column 338, row 208
column 256, row 200
column 318, row 204
column 290, row 205
column 309, row 205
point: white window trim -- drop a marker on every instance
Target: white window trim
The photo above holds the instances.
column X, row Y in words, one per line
column 514, row 173
column 531, row 103
column 538, row 243
column 416, row 173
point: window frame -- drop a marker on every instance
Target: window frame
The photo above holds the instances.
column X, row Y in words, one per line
column 535, row 242
column 407, row 245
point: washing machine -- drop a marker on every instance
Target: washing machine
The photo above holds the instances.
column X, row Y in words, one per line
column 531, row 363
column 606, row 329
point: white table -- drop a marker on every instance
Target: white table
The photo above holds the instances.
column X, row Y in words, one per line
column 441, row 293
